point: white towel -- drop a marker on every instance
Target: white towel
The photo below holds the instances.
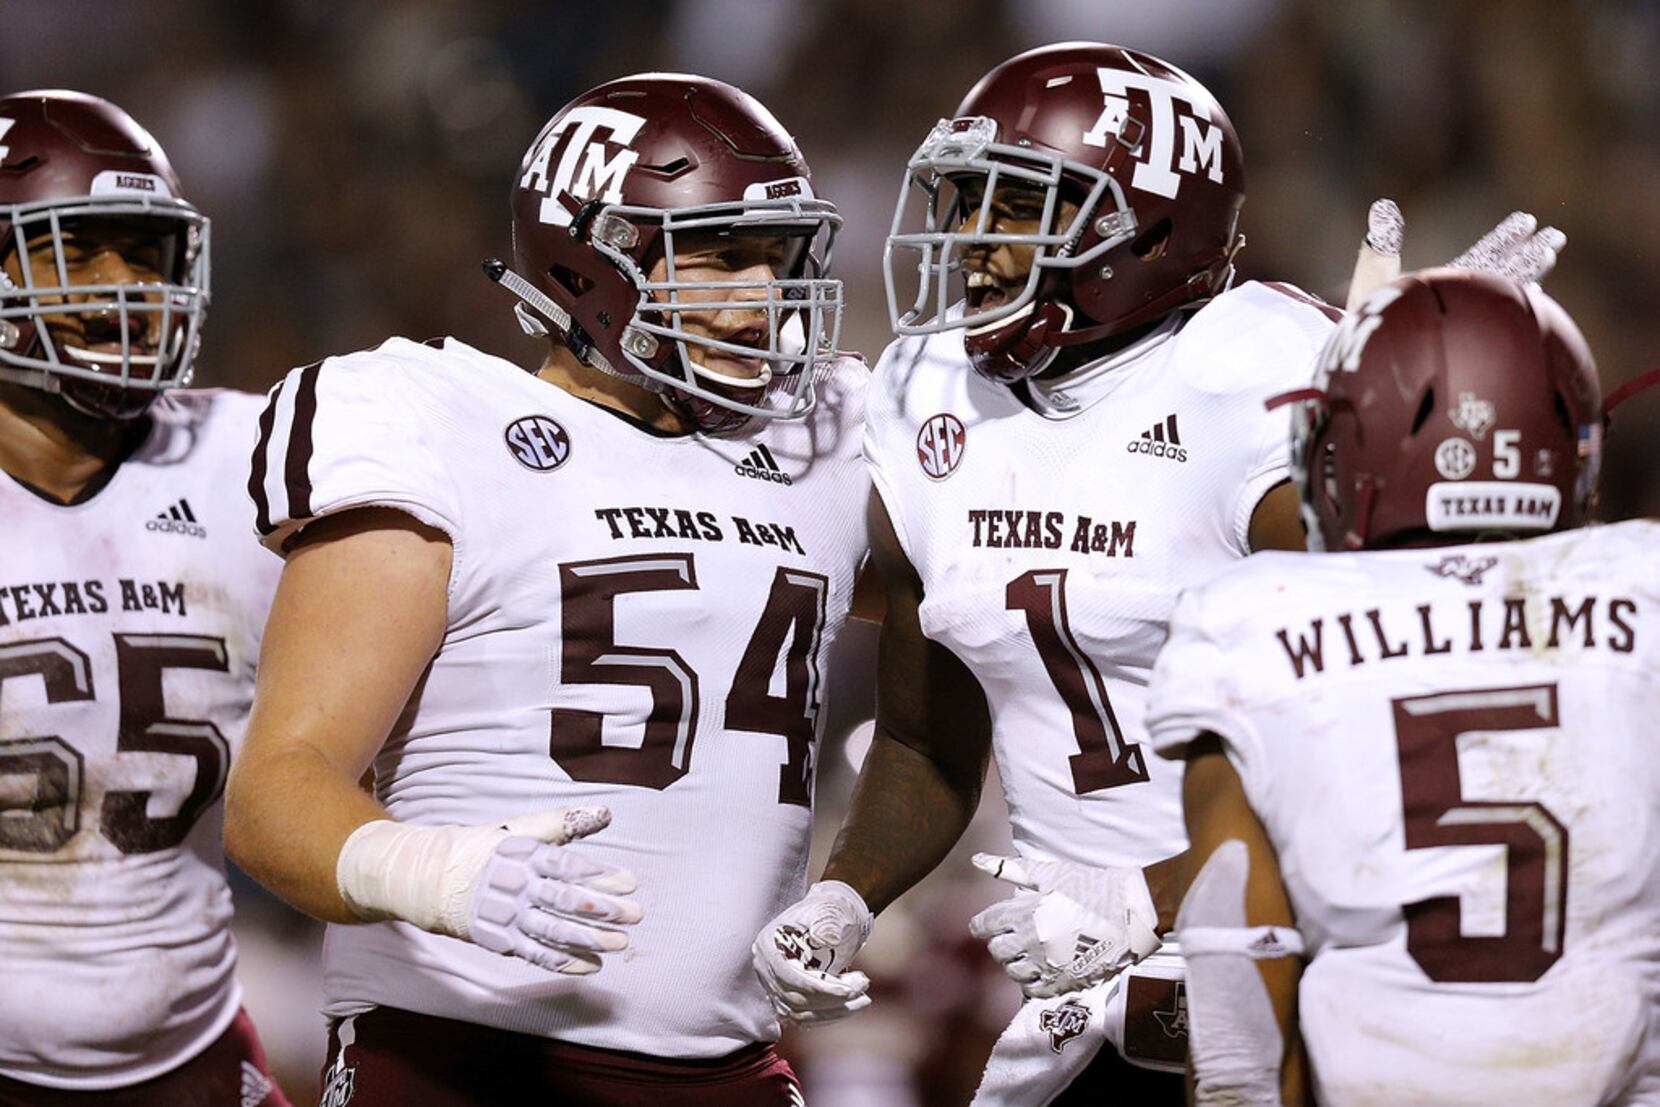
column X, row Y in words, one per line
column 1141, row 1013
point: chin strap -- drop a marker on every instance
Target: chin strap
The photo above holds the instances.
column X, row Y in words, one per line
column 1194, row 293
column 530, row 295
column 1356, row 538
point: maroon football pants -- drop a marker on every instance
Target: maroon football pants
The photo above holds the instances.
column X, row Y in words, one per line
column 395, row 1058
column 230, row 1072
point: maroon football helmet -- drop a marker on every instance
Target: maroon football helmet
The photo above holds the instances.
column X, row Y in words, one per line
column 76, row 169
column 1142, row 149
column 1452, row 405
column 602, row 194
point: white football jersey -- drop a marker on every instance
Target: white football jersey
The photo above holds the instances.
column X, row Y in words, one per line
column 129, row 629
column 1052, row 543
column 1453, row 753
column 635, row 620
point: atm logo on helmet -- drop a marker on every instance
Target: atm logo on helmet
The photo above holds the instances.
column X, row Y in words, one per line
column 5, row 125
column 1157, row 172
column 586, row 168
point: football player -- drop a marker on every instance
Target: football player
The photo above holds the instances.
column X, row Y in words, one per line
column 1060, row 443
column 132, row 599
column 591, row 600
column 1425, row 758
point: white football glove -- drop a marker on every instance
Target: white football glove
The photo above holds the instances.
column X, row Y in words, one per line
column 514, row 888
column 1070, row 926
column 802, row 955
column 1518, row 248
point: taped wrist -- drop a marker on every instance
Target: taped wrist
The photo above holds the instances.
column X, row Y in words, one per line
column 423, row 875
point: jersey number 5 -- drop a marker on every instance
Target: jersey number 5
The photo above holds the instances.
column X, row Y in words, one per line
column 1104, row 759
column 1427, row 729
column 591, row 655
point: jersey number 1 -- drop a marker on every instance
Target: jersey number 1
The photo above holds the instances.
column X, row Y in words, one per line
column 591, row 655
column 1104, row 759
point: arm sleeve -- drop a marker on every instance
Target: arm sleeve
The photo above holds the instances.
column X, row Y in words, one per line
column 349, row 432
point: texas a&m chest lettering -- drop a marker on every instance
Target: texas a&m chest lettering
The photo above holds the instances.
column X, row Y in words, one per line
column 1022, row 529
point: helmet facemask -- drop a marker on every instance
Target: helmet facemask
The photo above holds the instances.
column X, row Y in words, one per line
column 797, row 311
column 950, row 185
column 107, row 348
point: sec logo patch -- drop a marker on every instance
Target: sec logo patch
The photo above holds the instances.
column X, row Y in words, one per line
column 538, row 443
column 940, row 445
column 1455, row 459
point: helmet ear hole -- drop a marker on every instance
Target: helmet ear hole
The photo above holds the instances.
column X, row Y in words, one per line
column 1563, row 419
column 1150, row 246
column 570, row 280
column 1425, row 407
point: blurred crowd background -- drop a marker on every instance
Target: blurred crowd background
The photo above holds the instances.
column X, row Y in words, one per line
column 355, row 157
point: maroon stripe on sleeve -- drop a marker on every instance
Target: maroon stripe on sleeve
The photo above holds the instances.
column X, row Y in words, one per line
column 256, row 472
column 295, row 466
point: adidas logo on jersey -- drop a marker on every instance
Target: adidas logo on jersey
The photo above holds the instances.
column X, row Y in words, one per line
column 178, row 519
column 761, row 465
column 1160, row 441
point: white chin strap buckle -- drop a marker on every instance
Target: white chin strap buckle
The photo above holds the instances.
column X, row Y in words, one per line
column 528, row 322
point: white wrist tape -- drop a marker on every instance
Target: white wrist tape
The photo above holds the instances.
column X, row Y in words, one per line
column 424, row 875
column 1234, row 1041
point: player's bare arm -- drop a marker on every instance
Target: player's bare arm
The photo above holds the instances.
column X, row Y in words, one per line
column 359, row 613
column 921, row 781
column 915, row 796
column 1276, row 523
column 870, row 600
column 1218, row 812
